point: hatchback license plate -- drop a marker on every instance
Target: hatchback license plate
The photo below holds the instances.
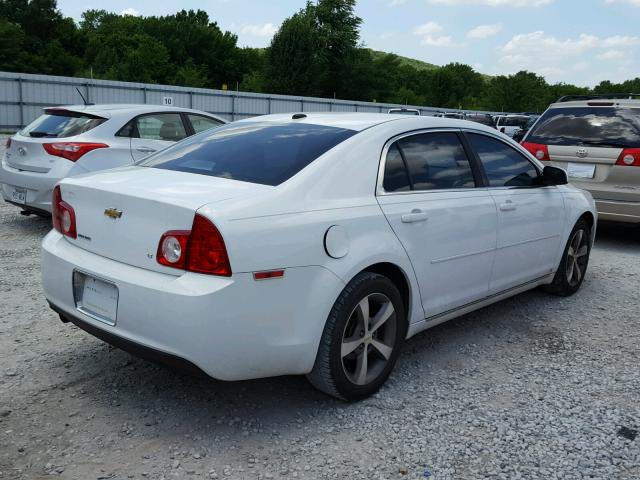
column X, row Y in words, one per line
column 95, row 297
column 581, row 170
column 19, row 195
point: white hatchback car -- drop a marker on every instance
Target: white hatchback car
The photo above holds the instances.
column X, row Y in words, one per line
column 310, row 244
column 71, row 140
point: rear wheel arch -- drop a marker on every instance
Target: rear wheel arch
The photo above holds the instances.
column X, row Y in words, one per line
column 398, row 277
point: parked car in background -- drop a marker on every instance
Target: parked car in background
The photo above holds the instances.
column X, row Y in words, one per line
column 453, row 115
column 596, row 139
column 310, row 244
column 510, row 124
column 519, row 135
column 483, row 118
column 71, row 140
column 404, row 111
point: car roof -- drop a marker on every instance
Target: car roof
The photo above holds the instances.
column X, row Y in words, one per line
column 108, row 110
column 362, row 121
column 599, row 102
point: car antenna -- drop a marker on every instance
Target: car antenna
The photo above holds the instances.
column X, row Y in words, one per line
column 82, row 96
column 298, row 116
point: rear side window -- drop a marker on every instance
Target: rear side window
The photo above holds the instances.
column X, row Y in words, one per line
column 161, row 126
column 605, row 126
column 396, row 177
column 257, row 152
column 515, row 122
column 201, row 123
column 436, row 161
column 61, row 124
column 503, row 165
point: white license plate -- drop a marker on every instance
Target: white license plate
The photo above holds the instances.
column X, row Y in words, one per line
column 19, row 195
column 95, row 297
column 581, row 170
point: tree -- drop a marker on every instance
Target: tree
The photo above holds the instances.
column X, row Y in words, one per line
column 293, row 61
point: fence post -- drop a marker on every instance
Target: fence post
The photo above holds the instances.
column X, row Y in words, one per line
column 356, row 105
column 86, row 87
column 233, row 107
column 20, row 102
column 191, row 99
column 301, row 105
column 144, row 95
column 269, row 105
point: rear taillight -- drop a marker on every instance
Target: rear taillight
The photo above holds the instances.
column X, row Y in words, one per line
column 71, row 150
column 541, row 152
column 8, row 143
column 200, row 250
column 630, row 157
column 63, row 215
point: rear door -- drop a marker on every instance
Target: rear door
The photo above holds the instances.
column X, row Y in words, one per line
column 588, row 142
column 154, row 132
column 530, row 216
column 429, row 193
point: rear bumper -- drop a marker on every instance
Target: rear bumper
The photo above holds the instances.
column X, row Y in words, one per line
column 133, row 348
column 39, row 186
column 230, row 328
column 628, row 212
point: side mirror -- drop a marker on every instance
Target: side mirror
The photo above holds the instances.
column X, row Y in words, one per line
column 554, row 176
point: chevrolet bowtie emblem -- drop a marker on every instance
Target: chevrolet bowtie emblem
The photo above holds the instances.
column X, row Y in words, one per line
column 113, row 213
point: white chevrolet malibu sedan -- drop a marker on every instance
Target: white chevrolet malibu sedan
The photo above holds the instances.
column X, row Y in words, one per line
column 310, row 244
column 73, row 140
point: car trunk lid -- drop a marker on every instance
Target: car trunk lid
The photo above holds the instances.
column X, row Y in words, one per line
column 121, row 214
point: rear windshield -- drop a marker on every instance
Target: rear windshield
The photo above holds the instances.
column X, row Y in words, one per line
column 515, row 121
column 605, row 126
column 483, row 119
column 61, row 124
column 256, row 152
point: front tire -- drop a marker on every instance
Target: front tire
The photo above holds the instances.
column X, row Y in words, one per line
column 575, row 259
column 361, row 340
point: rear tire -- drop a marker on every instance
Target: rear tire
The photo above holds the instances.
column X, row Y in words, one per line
column 574, row 262
column 361, row 340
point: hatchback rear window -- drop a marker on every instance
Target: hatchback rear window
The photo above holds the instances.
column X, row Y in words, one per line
column 600, row 126
column 256, row 152
column 60, row 124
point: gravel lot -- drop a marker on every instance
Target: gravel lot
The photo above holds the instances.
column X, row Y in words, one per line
column 533, row 387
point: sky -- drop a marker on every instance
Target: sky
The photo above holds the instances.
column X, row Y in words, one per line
column 573, row 41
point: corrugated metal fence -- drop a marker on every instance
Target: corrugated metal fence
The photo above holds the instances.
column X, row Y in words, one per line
column 22, row 97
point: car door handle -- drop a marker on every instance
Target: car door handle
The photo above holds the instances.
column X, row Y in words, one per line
column 416, row 215
column 145, row 149
column 507, row 206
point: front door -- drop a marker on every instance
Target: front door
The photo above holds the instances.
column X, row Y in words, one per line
column 530, row 216
column 446, row 224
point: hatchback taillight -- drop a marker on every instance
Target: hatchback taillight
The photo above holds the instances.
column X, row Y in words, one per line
column 71, row 150
column 200, row 249
column 630, row 157
column 63, row 215
column 540, row 151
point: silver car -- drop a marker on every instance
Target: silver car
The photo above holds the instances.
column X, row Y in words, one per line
column 71, row 140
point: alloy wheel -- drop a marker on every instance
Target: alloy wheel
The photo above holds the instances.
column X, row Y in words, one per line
column 368, row 338
column 577, row 257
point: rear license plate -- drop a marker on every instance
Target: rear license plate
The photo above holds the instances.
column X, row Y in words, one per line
column 581, row 170
column 95, row 297
column 19, row 195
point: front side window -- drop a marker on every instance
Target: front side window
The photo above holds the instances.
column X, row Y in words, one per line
column 161, row 126
column 503, row 165
column 267, row 153
column 201, row 123
column 435, row 161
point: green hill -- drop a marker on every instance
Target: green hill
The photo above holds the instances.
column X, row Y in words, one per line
column 417, row 64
